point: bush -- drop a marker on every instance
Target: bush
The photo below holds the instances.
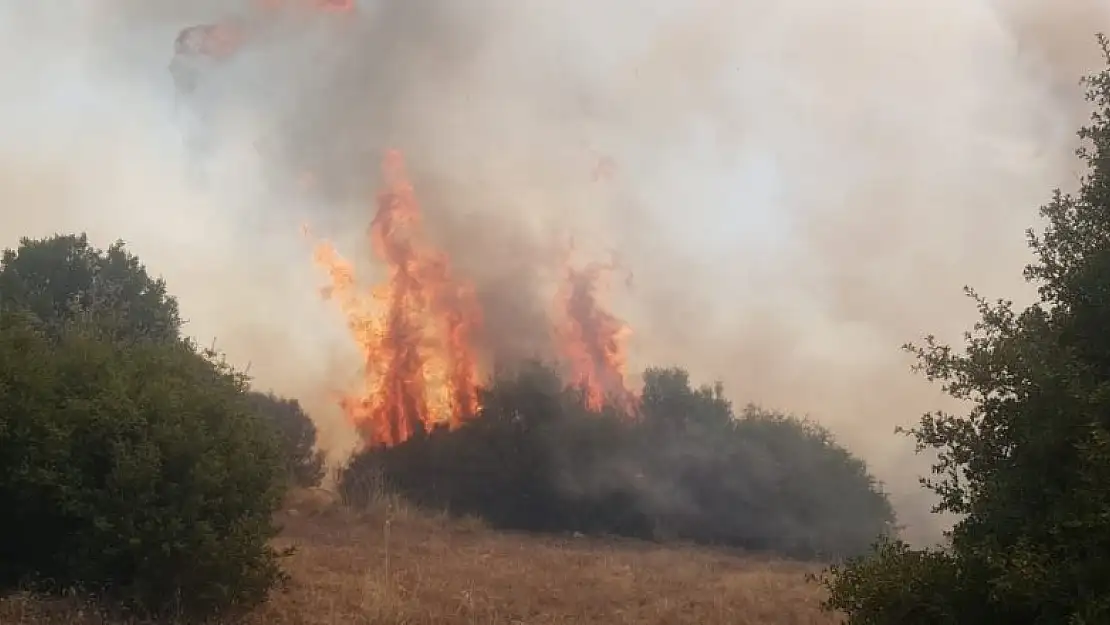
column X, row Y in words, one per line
column 761, row 479
column 897, row 584
column 687, row 468
column 768, row 481
column 63, row 278
column 304, row 465
column 507, row 466
column 137, row 471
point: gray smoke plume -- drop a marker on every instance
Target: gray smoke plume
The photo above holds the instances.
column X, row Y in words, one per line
column 800, row 187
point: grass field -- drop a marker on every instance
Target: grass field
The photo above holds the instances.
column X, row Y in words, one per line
column 394, row 566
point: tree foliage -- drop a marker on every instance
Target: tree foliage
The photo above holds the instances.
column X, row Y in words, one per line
column 1028, row 467
column 686, row 467
column 63, row 278
column 297, row 434
column 132, row 464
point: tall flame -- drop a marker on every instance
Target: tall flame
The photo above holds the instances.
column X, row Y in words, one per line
column 222, row 40
column 337, row 6
column 592, row 339
column 419, row 364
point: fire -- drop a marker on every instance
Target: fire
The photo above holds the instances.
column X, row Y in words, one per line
column 414, row 331
column 337, row 6
column 222, row 40
column 591, row 339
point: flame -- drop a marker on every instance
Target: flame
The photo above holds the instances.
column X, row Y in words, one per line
column 591, row 339
column 333, row 6
column 414, row 331
column 221, row 40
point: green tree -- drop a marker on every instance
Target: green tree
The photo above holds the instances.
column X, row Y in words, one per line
column 137, row 471
column 297, row 433
column 63, row 278
column 1028, row 467
column 669, row 400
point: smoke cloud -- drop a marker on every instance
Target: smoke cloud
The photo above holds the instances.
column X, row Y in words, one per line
column 800, row 187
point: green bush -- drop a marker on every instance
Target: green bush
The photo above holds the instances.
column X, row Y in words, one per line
column 686, row 467
column 138, row 471
column 297, row 433
column 63, row 278
column 897, row 584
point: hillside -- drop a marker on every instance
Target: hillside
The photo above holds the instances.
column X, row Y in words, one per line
column 434, row 570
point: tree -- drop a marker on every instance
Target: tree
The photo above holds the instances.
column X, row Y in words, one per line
column 668, row 400
column 132, row 464
column 759, row 479
column 1028, row 467
column 63, row 278
column 297, row 433
column 136, row 471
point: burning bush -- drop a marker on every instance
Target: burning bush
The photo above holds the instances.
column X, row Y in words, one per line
column 536, row 457
column 568, row 446
column 419, row 331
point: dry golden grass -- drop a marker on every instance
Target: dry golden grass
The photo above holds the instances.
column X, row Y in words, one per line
column 394, row 566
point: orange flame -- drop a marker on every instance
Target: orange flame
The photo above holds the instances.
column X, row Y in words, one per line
column 416, row 330
column 419, row 364
column 335, row 6
column 591, row 339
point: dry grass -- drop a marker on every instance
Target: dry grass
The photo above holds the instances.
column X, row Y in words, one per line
column 398, row 567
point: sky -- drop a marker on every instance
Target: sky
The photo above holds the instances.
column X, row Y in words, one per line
column 801, row 186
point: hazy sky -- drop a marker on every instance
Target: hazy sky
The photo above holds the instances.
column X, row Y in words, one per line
column 802, row 185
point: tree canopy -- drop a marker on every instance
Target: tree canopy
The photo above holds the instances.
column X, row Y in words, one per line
column 297, row 434
column 133, row 465
column 63, row 278
column 137, row 471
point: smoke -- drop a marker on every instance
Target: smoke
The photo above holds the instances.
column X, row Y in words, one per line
column 800, row 186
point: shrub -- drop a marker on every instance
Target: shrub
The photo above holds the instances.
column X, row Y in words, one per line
column 304, row 464
column 138, row 471
column 764, row 480
column 686, row 468
column 897, row 584
column 63, row 278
